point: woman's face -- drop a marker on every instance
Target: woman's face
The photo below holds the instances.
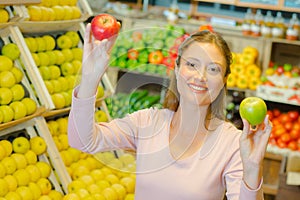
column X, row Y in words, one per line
column 200, row 76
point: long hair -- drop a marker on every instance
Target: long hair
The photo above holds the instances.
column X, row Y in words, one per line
column 216, row 108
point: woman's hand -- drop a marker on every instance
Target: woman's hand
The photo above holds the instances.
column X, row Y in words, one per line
column 94, row 62
column 253, row 144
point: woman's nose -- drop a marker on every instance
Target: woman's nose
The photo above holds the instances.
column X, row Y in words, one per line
column 200, row 74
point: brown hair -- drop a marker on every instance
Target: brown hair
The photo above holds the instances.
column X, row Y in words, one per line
column 171, row 100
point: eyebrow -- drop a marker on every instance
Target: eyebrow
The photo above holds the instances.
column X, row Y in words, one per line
column 198, row 60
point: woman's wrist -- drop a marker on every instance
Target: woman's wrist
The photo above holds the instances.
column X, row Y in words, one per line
column 87, row 88
column 252, row 175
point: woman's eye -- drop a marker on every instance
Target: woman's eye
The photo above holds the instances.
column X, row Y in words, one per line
column 213, row 69
column 190, row 64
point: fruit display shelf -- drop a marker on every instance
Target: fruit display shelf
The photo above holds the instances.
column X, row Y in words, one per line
column 19, row 84
column 39, row 26
column 30, row 140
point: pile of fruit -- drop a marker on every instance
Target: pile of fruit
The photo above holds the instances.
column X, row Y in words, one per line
column 245, row 73
column 15, row 102
column 58, row 59
column 152, row 50
column 286, row 129
column 121, row 103
column 54, row 10
column 22, row 174
column 4, row 15
column 102, row 176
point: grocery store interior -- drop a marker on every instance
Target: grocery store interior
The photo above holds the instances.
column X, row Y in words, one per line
column 41, row 50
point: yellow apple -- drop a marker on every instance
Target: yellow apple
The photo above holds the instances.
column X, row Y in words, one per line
column 58, row 100
column 71, row 81
column 44, row 58
column 38, row 145
column 55, row 195
column 100, row 116
column 44, row 168
column 120, row 190
column 45, row 13
column 87, row 179
column 34, row 172
column 128, row 183
column 11, row 50
column 2, row 168
column 9, row 164
column 64, row 83
column 7, row 79
column 129, row 197
column 41, row 44
column 127, row 158
column 31, row 157
column 20, row 110
column 82, row 193
column 49, row 86
column 4, row 15
column 31, row 44
column 71, row 196
column 8, row 113
column 54, row 71
column 31, row 105
column 77, row 66
column 64, row 42
column 36, row 190
column 6, row 96
column 74, row 37
column 20, row 160
column 45, row 185
column 22, row 176
column 52, row 57
column 18, row 92
column 66, row 157
column 68, row 98
column 53, row 127
column 68, row 54
column 77, row 53
column 11, row 182
column 57, row 143
column 68, row 12
column 1, row 117
column 56, row 86
column 80, row 171
column 36, row 59
column 94, row 189
column 35, row 13
column 44, row 197
column 17, row 73
column 5, row 63
column 7, row 146
column 63, row 125
column 21, row 144
column 25, row 192
column 67, row 69
column 112, row 178
column 63, row 138
column 109, row 193
column 97, row 174
column 76, row 12
column 52, row 15
column 59, row 12
column 75, row 185
column 12, row 195
column 60, row 58
column 3, row 188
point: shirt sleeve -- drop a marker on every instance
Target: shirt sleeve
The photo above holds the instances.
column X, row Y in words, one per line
column 236, row 189
column 91, row 137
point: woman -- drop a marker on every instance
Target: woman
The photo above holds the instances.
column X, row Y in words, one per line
column 187, row 150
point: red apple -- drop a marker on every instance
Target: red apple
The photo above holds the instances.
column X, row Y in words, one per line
column 104, row 26
column 253, row 109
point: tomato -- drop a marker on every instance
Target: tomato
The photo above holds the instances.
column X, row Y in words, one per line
column 270, row 113
column 169, row 62
column 295, row 134
column 285, row 137
column 132, row 54
column 293, row 115
column 288, row 126
column 276, row 112
column 292, row 145
column 278, row 132
column 296, row 126
column 284, row 118
column 173, row 51
column 281, row 144
column 155, row 57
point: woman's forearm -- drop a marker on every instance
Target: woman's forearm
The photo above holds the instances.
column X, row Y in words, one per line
column 252, row 175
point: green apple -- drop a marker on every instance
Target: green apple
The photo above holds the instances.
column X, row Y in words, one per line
column 41, row 44
column 64, row 42
column 11, row 50
column 31, row 44
column 5, row 63
column 31, row 105
column 50, row 42
column 54, row 71
column 77, row 66
column 71, row 81
column 45, row 72
column 7, row 79
column 17, row 73
column 52, row 57
column 44, row 58
column 8, row 113
column 74, row 37
column 64, row 83
column 18, row 92
column 6, row 96
column 253, row 109
column 21, row 144
column 60, row 58
column 67, row 69
column 77, row 53
column 68, row 98
column 68, row 54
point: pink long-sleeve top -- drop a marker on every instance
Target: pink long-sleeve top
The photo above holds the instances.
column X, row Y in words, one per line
column 216, row 169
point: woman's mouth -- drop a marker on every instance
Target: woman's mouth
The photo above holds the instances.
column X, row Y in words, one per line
column 197, row 87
